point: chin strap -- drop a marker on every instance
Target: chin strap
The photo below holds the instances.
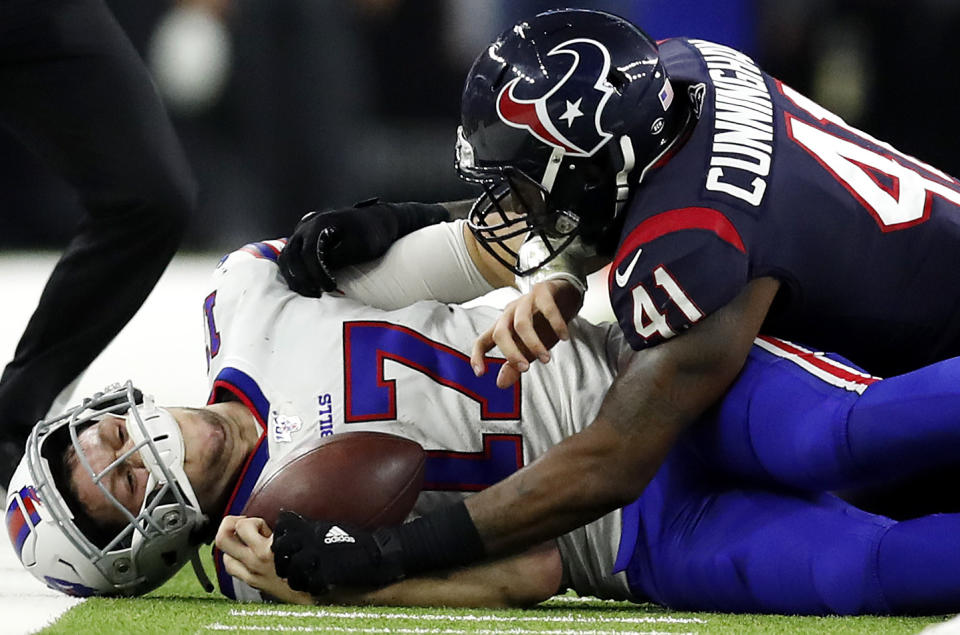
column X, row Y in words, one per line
column 197, row 539
column 200, row 573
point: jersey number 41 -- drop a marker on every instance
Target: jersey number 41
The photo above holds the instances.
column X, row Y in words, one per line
column 895, row 188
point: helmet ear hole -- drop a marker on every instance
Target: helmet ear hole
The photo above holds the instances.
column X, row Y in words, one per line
column 618, row 79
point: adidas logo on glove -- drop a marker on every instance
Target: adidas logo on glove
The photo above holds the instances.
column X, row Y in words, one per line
column 336, row 535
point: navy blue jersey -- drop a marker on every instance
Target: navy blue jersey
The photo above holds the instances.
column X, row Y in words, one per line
column 864, row 239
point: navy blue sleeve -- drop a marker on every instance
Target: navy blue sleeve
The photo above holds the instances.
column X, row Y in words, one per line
column 672, row 270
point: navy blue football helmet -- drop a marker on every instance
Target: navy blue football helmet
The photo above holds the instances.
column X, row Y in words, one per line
column 560, row 117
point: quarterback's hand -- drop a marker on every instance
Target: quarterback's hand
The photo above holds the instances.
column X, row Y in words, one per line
column 324, row 241
column 528, row 328
column 315, row 555
column 245, row 543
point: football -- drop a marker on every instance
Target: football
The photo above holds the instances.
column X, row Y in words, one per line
column 369, row 479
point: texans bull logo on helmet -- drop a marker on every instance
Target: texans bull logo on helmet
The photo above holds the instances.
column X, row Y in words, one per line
column 579, row 110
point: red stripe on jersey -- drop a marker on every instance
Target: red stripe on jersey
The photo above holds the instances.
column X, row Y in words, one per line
column 818, row 361
column 677, row 220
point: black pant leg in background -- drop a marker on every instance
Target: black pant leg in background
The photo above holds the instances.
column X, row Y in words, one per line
column 73, row 89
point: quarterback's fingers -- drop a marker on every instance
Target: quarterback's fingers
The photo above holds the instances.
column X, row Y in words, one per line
column 251, row 532
column 481, row 347
column 228, row 523
column 547, row 305
column 255, row 524
column 237, row 569
column 233, row 546
column 226, row 529
column 523, row 325
column 504, row 337
column 507, row 376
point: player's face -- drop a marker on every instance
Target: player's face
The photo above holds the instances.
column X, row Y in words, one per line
column 526, row 198
column 208, row 457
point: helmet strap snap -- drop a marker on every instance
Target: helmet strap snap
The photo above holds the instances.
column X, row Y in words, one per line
column 623, row 176
column 553, row 167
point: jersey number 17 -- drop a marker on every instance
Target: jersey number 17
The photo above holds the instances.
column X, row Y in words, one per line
column 370, row 396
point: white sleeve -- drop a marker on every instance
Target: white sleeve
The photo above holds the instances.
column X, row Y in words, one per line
column 429, row 264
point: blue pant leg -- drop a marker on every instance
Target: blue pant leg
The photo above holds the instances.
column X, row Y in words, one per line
column 708, row 544
column 781, row 424
column 705, row 545
column 910, row 423
column 918, row 565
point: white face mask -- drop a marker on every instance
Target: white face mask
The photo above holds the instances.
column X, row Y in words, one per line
column 153, row 544
column 157, row 436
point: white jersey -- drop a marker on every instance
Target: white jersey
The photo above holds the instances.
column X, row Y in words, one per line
column 308, row 368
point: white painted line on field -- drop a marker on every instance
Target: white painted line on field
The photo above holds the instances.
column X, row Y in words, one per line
column 217, row 626
column 949, row 627
column 468, row 617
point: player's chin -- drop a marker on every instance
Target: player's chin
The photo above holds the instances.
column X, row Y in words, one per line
column 216, row 442
column 209, row 443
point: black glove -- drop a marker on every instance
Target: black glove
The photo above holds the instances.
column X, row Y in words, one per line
column 325, row 241
column 315, row 555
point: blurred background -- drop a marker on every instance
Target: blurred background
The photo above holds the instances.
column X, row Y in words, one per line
column 285, row 106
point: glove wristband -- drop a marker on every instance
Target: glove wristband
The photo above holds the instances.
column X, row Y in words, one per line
column 443, row 539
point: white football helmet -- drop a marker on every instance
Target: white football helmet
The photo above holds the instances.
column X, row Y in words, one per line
column 152, row 546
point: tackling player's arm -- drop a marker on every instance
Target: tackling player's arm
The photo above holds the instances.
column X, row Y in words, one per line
column 324, row 241
column 608, row 464
column 442, row 262
column 518, row 581
column 693, row 332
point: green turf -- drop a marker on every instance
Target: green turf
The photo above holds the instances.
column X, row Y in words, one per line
column 181, row 606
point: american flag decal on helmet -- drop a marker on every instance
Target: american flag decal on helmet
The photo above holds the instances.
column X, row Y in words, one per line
column 22, row 517
column 666, row 94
